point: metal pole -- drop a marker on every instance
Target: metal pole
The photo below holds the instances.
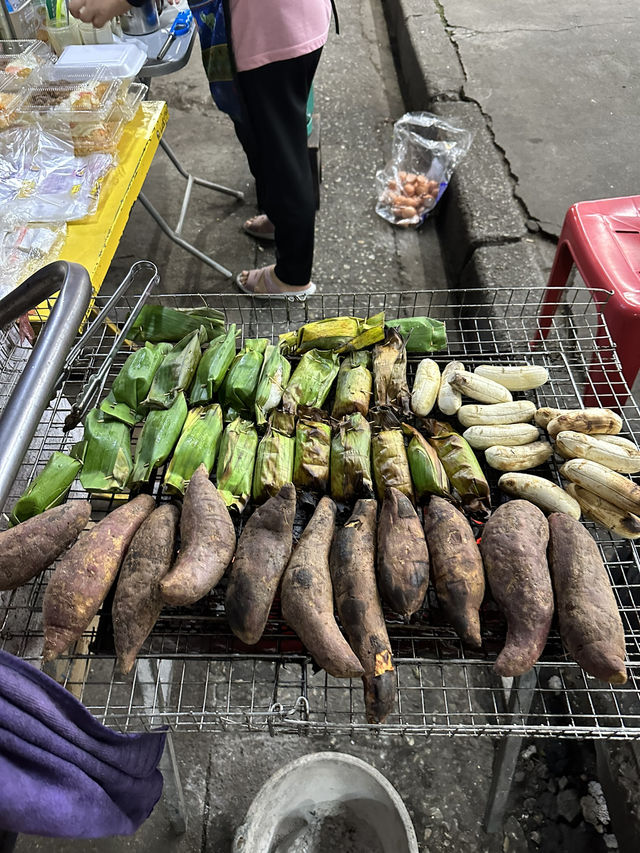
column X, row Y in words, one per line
column 35, row 388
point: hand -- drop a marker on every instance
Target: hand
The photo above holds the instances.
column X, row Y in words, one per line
column 98, row 12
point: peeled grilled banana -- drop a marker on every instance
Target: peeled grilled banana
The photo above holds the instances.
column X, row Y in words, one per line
column 522, row 377
column 482, row 390
column 607, row 484
column 620, row 441
column 510, row 435
column 618, row 457
column 494, row 414
column 589, row 421
column 541, row 492
column 518, row 458
column 546, row 414
column 425, row 387
column 624, row 524
column 449, row 399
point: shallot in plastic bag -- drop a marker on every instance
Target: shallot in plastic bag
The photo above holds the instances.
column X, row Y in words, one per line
column 425, row 151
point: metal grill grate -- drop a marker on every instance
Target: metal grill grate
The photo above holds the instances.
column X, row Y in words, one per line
column 193, row 674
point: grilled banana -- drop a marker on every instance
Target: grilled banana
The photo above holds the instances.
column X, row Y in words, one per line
column 618, row 457
column 425, row 387
column 482, row 390
column 449, row 399
column 541, row 492
column 522, row 377
column 620, row 441
column 511, row 435
column 546, row 414
column 607, row 484
column 518, row 458
column 494, row 414
column 624, row 524
column 590, row 421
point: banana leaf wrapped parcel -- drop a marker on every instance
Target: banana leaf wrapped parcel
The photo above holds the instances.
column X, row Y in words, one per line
column 389, row 455
column 198, row 445
column 157, row 323
column 351, row 459
column 176, row 372
column 106, row 453
column 427, row 473
column 340, row 334
column 238, row 392
column 48, row 489
column 421, row 334
column 132, row 384
column 353, row 386
column 274, row 458
column 390, row 373
column 274, row 377
column 213, row 366
column 313, row 450
column 462, row 466
column 158, row 436
column 311, row 380
column 236, row 461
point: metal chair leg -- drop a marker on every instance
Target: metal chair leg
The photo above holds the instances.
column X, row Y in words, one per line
column 506, row 756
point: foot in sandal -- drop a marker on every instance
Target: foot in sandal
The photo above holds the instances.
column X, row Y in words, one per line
column 265, row 284
column 260, row 227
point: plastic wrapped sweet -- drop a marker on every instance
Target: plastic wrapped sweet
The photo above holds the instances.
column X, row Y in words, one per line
column 25, row 249
column 42, row 180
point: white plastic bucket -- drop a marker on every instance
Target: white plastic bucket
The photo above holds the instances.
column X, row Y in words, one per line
column 334, row 790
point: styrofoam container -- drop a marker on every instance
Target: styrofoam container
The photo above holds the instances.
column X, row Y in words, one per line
column 123, row 61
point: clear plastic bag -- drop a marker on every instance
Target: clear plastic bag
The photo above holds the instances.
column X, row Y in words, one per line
column 41, row 179
column 25, row 249
column 425, row 151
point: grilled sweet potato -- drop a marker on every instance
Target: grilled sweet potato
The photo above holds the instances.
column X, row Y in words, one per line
column 31, row 547
column 456, row 568
column 207, row 543
column 307, row 596
column 263, row 551
column 84, row 576
column 590, row 625
column 352, row 563
column 514, row 551
column 403, row 559
column 138, row 602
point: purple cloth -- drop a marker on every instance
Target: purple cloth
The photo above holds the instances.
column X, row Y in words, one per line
column 62, row 773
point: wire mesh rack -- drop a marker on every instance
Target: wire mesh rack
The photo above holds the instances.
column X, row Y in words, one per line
column 194, row 675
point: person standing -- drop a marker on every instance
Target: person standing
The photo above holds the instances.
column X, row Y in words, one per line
column 276, row 46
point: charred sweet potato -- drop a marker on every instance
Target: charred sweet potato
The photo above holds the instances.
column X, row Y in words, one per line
column 138, row 601
column 307, row 596
column 403, row 559
column 456, row 568
column 207, row 543
column 590, row 625
column 352, row 563
column 84, row 576
column 31, row 547
column 514, row 551
column 264, row 548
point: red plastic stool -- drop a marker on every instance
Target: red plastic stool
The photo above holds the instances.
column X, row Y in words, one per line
column 602, row 239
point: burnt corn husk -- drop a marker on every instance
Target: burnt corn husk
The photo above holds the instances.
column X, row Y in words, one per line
column 390, row 373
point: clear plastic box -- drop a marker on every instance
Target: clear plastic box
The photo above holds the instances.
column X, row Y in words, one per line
column 20, row 58
column 104, row 136
column 70, row 100
column 11, row 99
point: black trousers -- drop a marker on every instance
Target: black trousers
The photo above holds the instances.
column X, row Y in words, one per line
column 274, row 138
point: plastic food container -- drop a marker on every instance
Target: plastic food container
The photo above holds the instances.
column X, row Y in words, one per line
column 11, row 99
column 104, row 136
column 70, row 100
column 19, row 58
column 123, row 61
column 61, row 34
column 91, row 35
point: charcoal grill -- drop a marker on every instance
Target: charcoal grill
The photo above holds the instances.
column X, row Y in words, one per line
column 194, row 675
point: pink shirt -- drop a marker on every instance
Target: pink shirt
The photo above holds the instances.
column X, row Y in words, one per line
column 264, row 31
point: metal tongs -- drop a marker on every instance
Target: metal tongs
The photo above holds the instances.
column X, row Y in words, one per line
column 180, row 27
column 95, row 385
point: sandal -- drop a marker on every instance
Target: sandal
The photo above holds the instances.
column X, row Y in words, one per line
column 260, row 284
column 260, row 227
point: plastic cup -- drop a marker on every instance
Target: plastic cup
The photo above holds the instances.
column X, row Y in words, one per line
column 61, row 34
